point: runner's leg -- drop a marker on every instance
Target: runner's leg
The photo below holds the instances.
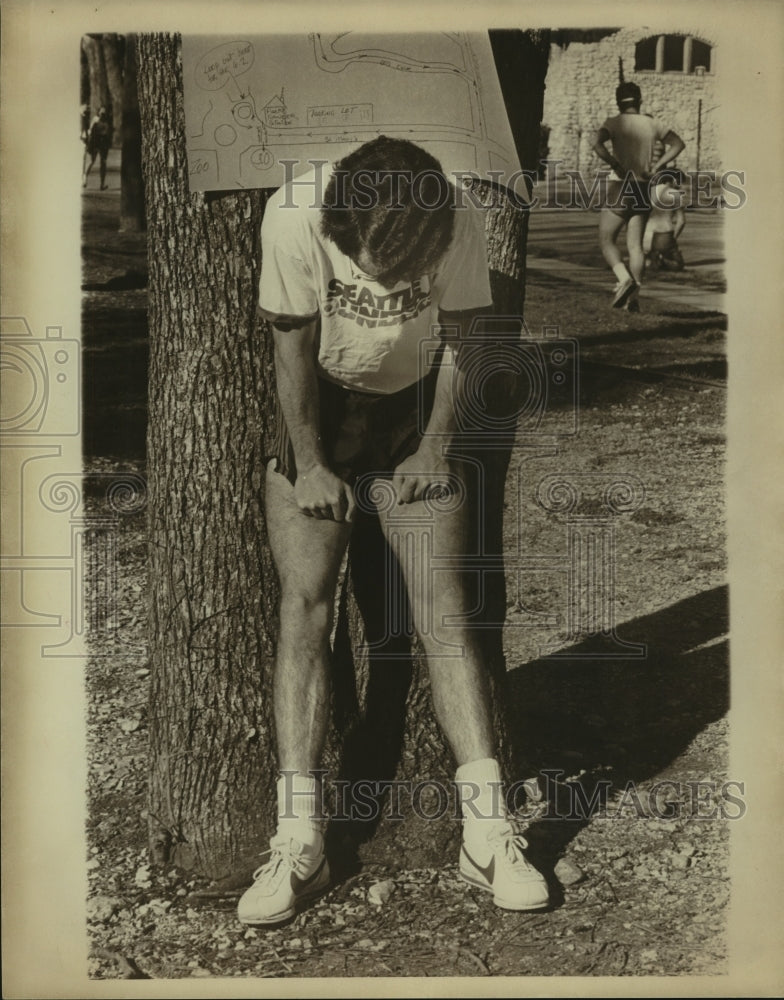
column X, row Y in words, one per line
column 89, row 160
column 634, row 235
column 610, row 225
column 307, row 552
column 439, row 599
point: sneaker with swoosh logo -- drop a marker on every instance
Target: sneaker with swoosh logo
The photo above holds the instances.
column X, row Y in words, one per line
column 622, row 292
column 294, row 875
column 512, row 879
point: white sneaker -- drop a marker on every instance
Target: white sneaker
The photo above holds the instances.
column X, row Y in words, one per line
column 623, row 291
column 294, row 875
column 512, row 879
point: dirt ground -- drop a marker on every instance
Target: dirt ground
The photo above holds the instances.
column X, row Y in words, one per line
column 640, row 884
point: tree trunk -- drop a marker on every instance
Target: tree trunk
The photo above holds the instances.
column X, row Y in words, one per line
column 96, row 69
column 84, row 76
column 131, row 181
column 113, row 58
column 213, row 589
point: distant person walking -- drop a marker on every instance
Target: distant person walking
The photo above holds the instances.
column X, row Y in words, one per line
column 99, row 139
column 633, row 161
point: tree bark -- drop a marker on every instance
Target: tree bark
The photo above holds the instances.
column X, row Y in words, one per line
column 113, row 58
column 132, row 217
column 213, row 587
column 84, row 76
column 96, row 69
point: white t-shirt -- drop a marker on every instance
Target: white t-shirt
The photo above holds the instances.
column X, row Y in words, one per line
column 370, row 335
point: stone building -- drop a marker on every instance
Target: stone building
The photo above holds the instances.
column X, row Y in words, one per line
column 676, row 73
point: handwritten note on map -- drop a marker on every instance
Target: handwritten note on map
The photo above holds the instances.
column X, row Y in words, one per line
column 252, row 102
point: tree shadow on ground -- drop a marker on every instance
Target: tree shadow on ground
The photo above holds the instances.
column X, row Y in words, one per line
column 611, row 721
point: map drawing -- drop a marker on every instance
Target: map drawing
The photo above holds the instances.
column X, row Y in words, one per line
column 253, row 103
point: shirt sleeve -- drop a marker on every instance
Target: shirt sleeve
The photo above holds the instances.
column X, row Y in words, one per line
column 464, row 282
column 286, row 287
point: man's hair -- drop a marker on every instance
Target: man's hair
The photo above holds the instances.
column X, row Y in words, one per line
column 391, row 199
column 628, row 93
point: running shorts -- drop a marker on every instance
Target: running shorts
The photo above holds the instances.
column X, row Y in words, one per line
column 628, row 198
column 361, row 432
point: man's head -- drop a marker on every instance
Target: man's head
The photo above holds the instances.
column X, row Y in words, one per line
column 628, row 95
column 388, row 206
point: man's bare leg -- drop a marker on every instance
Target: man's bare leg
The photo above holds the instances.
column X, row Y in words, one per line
column 307, row 552
column 610, row 225
column 634, row 236
column 89, row 160
column 441, row 601
column 459, row 683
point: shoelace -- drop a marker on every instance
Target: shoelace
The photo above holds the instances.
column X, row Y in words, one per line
column 285, row 853
column 511, row 845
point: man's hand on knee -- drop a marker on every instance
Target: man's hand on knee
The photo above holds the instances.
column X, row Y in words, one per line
column 320, row 493
column 421, row 474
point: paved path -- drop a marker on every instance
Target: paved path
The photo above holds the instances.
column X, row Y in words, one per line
column 601, row 279
column 569, row 246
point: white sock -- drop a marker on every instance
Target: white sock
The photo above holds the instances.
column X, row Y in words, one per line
column 299, row 809
column 621, row 271
column 482, row 803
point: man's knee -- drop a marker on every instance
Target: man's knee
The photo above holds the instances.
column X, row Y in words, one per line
column 306, row 610
column 306, row 613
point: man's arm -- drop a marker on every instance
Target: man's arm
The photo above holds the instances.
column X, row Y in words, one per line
column 318, row 491
column 428, row 466
column 601, row 137
column 673, row 146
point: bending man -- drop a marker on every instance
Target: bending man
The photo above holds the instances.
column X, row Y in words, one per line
column 360, row 265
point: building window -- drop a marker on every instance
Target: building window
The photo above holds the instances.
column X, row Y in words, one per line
column 700, row 56
column 672, row 54
column 645, row 54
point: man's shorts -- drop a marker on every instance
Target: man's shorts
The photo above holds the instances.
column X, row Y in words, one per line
column 628, row 198
column 361, row 432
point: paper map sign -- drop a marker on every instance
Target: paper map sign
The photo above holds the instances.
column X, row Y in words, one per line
column 251, row 102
